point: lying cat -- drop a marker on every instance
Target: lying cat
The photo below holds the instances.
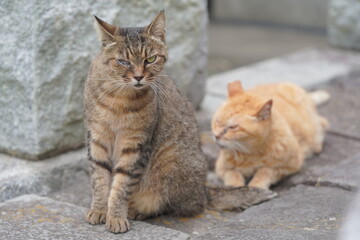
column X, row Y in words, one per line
column 266, row 133
column 143, row 142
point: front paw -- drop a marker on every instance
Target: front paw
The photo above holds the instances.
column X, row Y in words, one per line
column 95, row 217
column 117, row 224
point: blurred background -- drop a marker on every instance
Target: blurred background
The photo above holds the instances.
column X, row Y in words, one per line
column 243, row 32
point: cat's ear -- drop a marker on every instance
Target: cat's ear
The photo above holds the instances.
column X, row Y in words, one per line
column 234, row 88
column 157, row 26
column 265, row 111
column 105, row 30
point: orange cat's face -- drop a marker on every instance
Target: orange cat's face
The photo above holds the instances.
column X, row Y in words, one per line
column 243, row 122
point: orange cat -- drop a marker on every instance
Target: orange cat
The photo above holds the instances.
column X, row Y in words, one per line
column 266, row 132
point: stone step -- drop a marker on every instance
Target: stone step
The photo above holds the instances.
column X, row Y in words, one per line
column 18, row 176
column 33, row 217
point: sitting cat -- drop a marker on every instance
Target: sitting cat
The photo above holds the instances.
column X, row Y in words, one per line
column 143, row 142
column 266, row 133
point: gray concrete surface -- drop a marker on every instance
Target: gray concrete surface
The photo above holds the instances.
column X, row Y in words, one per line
column 32, row 217
column 302, row 212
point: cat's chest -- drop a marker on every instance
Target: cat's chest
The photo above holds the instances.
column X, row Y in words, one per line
column 125, row 115
column 248, row 165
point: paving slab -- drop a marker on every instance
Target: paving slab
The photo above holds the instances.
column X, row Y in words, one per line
column 307, row 68
column 18, row 176
column 303, row 212
column 33, row 217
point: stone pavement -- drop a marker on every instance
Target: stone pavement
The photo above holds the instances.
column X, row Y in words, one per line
column 34, row 217
column 310, row 205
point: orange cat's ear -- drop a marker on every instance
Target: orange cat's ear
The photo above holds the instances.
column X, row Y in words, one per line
column 157, row 26
column 106, row 31
column 235, row 88
column 265, row 111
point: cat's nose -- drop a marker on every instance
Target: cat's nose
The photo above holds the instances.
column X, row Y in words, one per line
column 217, row 137
column 138, row 78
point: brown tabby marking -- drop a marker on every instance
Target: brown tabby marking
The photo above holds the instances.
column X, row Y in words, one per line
column 144, row 153
column 266, row 132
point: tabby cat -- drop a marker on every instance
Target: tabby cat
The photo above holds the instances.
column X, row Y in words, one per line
column 266, row 133
column 143, row 143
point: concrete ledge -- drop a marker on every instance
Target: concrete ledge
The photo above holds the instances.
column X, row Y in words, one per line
column 18, row 176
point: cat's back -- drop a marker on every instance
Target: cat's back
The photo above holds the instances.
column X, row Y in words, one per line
column 177, row 124
column 295, row 105
column 283, row 92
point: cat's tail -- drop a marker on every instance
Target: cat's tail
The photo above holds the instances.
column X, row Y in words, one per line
column 239, row 198
column 320, row 96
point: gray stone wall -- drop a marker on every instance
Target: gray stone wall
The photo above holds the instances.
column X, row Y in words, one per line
column 46, row 48
column 344, row 23
column 303, row 13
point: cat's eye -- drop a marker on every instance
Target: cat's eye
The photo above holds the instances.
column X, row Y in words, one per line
column 123, row 62
column 150, row 59
column 233, row 126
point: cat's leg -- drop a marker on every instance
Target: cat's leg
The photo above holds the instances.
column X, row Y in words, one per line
column 168, row 187
column 127, row 174
column 234, row 178
column 227, row 172
column 264, row 177
column 100, row 171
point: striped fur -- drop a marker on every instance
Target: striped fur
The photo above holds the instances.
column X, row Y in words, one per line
column 143, row 142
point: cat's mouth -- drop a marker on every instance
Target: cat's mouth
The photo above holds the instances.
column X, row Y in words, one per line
column 138, row 85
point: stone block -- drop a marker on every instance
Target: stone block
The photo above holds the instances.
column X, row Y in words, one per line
column 46, row 49
column 344, row 23
column 33, row 217
column 18, row 177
